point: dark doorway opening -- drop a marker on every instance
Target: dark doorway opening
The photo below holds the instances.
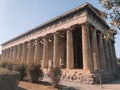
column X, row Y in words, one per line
column 77, row 43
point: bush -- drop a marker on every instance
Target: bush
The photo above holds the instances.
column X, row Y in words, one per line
column 55, row 75
column 21, row 69
column 3, row 64
column 34, row 73
column 9, row 66
column 8, row 79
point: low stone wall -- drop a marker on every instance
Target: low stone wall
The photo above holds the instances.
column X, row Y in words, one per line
column 9, row 81
column 93, row 78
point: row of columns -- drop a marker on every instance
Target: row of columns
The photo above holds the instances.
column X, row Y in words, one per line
column 97, row 52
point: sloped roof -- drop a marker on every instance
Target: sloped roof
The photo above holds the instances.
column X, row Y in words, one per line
column 85, row 5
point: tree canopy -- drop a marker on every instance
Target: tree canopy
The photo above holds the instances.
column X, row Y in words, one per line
column 114, row 12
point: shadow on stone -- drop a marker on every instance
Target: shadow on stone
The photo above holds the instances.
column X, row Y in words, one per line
column 19, row 88
column 62, row 87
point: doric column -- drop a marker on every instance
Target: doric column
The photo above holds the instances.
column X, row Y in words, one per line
column 37, row 56
column 86, row 48
column 110, row 54
column 101, row 52
column 13, row 53
column 95, row 50
column 8, row 52
column 45, row 53
column 16, row 54
column 70, row 52
column 6, row 58
column 10, row 55
column 114, row 56
column 19, row 53
column 107, row 55
column 30, row 54
column 3, row 54
column 56, row 61
column 24, row 53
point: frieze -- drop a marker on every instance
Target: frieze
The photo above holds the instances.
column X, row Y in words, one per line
column 53, row 25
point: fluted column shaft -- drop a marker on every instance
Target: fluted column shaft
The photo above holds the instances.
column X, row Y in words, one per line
column 30, row 54
column 10, row 55
column 86, row 48
column 37, row 56
column 3, row 54
column 56, row 61
column 114, row 56
column 6, row 56
column 15, row 54
column 24, row 54
column 70, row 52
column 107, row 55
column 19, row 53
column 8, row 52
column 45, row 53
column 101, row 52
column 95, row 50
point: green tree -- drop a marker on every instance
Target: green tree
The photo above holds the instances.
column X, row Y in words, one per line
column 114, row 12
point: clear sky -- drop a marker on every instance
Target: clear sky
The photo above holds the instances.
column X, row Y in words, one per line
column 18, row 16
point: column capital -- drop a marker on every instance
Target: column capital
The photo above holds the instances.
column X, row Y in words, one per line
column 30, row 43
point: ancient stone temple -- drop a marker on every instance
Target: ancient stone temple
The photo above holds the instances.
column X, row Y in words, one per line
column 72, row 41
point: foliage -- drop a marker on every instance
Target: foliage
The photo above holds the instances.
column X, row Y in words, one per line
column 21, row 69
column 9, row 66
column 118, row 62
column 8, row 79
column 3, row 64
column 114, row 12
column 55, row 75
column 34, row 73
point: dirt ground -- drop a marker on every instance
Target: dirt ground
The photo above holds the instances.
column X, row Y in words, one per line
column 23, row 85
column 114, row 85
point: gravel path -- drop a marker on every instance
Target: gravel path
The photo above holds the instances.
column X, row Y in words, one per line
column 114, row 85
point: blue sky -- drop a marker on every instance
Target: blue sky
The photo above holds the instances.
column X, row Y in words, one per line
column 18, row 16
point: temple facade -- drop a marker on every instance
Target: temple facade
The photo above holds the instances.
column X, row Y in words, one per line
column 73, row 41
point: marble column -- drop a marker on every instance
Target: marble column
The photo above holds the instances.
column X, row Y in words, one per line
column 86, row 48
column 16, row 54
column 101, row 52
column 114, row 56
column 45, row 53
column 24, row 53
column 8, row 52
column 10, row 55
column 37, row 56
column 30, row 54
column 108, row 64
column 56, row 61
column 3, row 54
column 70, row 51
column 110, row 54
column 95, row 50
column 19, row 53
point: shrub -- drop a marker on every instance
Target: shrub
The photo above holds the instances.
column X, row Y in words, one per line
column 21, row 69
column 9, row 66
column 3, row 64
column 55, row 75
column 8, row 79
column 34, row 73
